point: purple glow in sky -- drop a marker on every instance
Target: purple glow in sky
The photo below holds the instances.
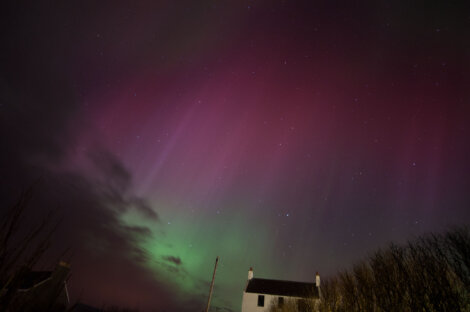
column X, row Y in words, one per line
column 293, row 137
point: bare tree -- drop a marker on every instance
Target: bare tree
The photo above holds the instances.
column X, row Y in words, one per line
column 331, row 299
column 431, row 274
column 20, row 249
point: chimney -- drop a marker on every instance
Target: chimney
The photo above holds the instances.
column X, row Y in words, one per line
column 64, row 264
column 317, row 279
column 250, row 274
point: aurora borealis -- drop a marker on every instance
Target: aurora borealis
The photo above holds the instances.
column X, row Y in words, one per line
column 290, row 136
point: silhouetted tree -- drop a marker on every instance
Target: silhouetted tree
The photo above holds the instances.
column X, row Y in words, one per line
column 431, row 274
column 20, row 249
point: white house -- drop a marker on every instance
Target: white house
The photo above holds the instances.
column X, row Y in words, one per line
column 261, row 293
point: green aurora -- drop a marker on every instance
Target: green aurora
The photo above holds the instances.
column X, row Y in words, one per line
column 182, row 252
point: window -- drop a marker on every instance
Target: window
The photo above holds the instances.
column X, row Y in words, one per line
column 280, row 301
column 260, row 300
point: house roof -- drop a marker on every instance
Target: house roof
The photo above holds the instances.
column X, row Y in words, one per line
column 281, row 288
column 33, row 278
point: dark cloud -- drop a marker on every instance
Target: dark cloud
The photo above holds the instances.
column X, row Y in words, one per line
column 101, row 247
column 172, row 259
column 138, row 230
column 142, row 205
column 38, row 119
column 110, row 169
column 115, row 183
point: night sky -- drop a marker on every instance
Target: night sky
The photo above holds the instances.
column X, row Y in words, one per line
column 290, row 136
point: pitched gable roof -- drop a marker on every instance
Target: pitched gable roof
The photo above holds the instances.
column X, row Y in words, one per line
column 34, row 278
column 282, row 288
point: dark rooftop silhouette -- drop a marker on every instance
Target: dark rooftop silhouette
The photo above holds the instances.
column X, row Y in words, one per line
column 282, row 288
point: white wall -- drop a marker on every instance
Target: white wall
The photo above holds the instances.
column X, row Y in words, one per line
column 250, row 302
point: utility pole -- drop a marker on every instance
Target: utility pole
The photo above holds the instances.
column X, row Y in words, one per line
column 212, row 284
